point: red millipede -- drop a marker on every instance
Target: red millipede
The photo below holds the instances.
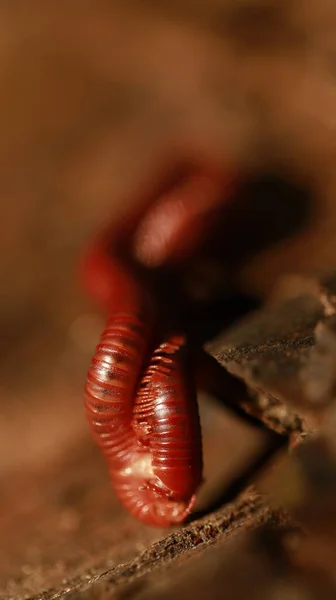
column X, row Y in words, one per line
column 144, row 417
column 140, row 398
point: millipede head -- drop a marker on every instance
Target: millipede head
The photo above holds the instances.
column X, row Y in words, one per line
column 167, row 513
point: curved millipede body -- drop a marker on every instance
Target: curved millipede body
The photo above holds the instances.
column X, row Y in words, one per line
column 142, row 409
column 140, row 402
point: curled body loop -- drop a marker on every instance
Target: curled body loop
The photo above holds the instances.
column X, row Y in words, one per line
column 142, row 408
column 140, row 401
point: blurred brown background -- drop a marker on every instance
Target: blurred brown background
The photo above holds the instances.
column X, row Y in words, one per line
column 92, row 96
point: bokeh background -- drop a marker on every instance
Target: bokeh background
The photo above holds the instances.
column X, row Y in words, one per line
column 93, row 97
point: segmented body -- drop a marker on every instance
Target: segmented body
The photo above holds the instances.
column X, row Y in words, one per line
column 140, row 402
column 142, row 406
